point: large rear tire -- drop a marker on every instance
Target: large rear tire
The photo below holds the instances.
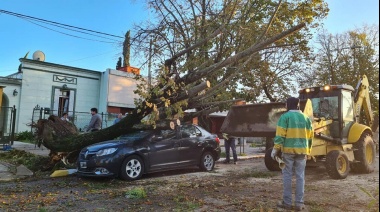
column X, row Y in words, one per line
column 365, row 155
column 337, row 164
column 271, row 164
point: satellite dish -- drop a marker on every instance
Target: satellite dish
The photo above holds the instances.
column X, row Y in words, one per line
column 39, row 55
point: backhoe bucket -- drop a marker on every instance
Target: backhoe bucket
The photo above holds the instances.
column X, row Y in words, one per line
column 253, row 120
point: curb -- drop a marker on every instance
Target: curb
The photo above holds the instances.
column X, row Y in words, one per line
column 243, row 157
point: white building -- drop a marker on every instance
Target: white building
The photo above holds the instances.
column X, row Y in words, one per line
column 58, row 88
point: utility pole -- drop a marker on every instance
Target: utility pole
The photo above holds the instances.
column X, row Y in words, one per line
column 357, row 71
column 150, row 65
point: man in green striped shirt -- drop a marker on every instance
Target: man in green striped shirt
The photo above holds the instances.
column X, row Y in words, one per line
column 294, row 134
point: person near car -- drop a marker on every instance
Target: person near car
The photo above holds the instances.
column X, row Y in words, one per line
column 294, row 134
column 229, row 143
column 118, row 118
column 65, row 117
column 96, row 121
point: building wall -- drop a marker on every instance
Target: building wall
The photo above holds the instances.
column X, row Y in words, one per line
column 121, row 86
column 9, row 100
column 42, row 80
column 41, row 84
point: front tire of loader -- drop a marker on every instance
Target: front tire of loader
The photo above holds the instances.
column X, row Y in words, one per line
column 337, row 164
column 271, row 164
column 365, row 155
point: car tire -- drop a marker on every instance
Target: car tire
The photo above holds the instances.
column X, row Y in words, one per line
column 207, row 161
column 132, row 168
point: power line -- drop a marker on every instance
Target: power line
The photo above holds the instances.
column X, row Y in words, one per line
column 56, row 23
column 73, row 35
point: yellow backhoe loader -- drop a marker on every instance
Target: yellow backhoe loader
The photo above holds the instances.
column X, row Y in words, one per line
column 340, row 142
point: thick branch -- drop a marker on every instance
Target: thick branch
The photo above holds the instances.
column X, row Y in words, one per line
column 204, row 112
column 223, row 83
column 170, row 61
column 191, row 77
column 203, row 104
column 193, row 91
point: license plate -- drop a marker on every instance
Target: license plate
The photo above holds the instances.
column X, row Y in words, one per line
column 83, row 165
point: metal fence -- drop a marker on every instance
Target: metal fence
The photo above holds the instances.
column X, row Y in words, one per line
column 79, row 119
column 7, row 125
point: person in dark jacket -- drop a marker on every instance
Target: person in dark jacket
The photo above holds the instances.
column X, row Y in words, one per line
column 96, row 121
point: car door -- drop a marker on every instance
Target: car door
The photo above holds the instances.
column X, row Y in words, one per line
column 191, row 146
column 163, row 151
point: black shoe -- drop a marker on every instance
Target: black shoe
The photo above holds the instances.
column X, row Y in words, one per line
column 235, row 162
column 281, row 204
column 226, row 161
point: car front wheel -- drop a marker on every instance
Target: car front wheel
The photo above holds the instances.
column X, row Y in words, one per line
column 132, row 168
column 207, row 161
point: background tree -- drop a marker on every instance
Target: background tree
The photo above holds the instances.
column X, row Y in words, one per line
column 178, row 24
column 127, row 48
column 343, row 58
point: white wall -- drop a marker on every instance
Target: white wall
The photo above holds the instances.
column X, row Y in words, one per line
column 121, row 86
column 39, row 79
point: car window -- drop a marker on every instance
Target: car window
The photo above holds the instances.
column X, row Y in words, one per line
column 135, row 136
column 167, row 133
column 190, row 131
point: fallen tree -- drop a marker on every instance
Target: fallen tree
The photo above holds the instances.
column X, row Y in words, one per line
column 161, row 104
column 164, row 103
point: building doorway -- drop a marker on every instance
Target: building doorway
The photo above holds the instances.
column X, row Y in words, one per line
column 64, row 101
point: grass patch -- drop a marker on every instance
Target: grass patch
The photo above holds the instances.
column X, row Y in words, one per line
column 33, row 162
column 255, row 145
column 374, row 197
column 256, row 174
column 185, row 204
column 136, row 193
column 314, row 207
column 25, row 136
column 99, row 185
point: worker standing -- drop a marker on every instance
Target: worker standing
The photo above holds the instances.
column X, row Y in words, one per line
column 294, row 134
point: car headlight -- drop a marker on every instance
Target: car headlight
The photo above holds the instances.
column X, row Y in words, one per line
column 106, row 151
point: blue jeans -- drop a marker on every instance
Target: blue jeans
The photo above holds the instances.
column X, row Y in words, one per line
column 230, row 143
column 298, row 163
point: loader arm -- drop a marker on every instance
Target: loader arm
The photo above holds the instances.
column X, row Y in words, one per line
column 362, row 101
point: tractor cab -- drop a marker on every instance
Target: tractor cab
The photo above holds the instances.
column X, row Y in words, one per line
column 334, row 105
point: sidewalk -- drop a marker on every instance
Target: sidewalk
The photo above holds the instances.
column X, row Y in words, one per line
column 244, row 152
column 8, row 172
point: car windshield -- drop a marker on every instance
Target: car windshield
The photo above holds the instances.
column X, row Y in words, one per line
column 135, row 136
